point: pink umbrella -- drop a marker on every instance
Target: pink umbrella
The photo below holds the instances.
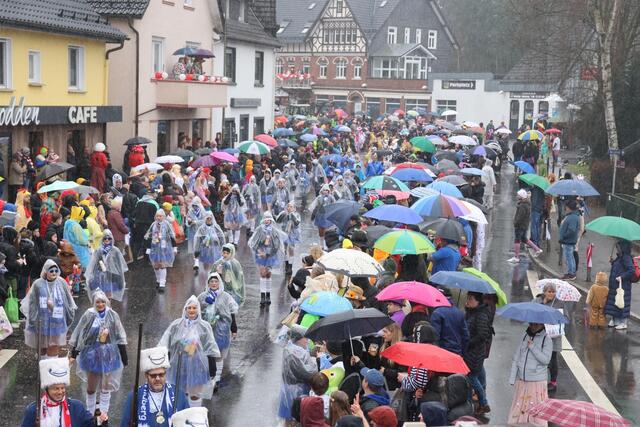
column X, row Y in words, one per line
column 415, row 292
column 316, row 131
column 204, row 162
column 223, row 156
column 340, row 113
column 266, row 139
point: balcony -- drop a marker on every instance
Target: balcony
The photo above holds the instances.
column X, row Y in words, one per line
column 294, row 83
column 191, row 93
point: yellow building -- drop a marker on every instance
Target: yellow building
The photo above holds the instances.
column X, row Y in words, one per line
column 54, row 78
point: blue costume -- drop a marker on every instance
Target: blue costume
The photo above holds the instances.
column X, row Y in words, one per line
column 80, row 417
column 146, row 410
column 161, row 251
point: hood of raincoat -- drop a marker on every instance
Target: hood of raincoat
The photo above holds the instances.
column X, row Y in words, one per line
column 107, row 233
column 77, row 213
column 229, row 247
column 434, row 413
column 99, row 295
column 312, row 412
column 47, row 265
column 193, row 300
column 216, row 275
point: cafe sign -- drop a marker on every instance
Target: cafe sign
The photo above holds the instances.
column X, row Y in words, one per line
column 18, row 114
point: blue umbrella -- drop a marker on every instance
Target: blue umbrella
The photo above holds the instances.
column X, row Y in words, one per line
column 524, row 166
column 325, row 303
column 462, row 280
column 395, row 213
column 231, row 150
column 532, row 312
column 340, row 213
column 408, row 174
column 336, row 158
column 472, row 171
column 287, row 143
column 572, row 187
column 186, row 51
column 343, row 128
column 446, row 189
column 308, row 137
column 280, row 132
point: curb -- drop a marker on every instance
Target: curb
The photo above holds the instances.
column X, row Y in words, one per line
column 551, row 272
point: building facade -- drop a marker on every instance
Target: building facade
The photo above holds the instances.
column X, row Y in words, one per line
column 373, row 56
column 54, row 59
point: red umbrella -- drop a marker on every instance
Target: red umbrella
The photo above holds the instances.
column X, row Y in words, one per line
column 415, row 292
column 427, row 356
column 267, row 139
column 223, row 156
column 281, row 119
column 553, row 130
column 399, row 195
column 340, row 113
column 399, row 112
column 574, row 413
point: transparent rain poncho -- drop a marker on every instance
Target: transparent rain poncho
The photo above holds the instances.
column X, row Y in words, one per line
column 193, row 341
column 209, row 240
column 318, row 206
column 251, row 194
column 106, row 270
column 96, row 338
column 217, row 309
column 290, row 224
column 297, row 368
column 232, row 275
column 195, row 214
column 267, row 243
column 161, row 235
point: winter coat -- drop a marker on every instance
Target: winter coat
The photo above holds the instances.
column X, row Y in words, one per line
column 568, row 233
column 523, row 214
column 479, row 326
column 451, row 327
column 445, row 259
column 18, row 171
column 531, row 364
column 117, row 225
column 623, row 267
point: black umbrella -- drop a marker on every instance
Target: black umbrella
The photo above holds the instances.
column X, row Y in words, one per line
column 456, row 180
column 375, row 232
column 447, row 167
column 138, row 140
column 347, row 324
column 446, row 155
column 287, row 143
column 339, row 213
column 203, row 151
column 53, row 169
column 185, row 154
column 445, row 228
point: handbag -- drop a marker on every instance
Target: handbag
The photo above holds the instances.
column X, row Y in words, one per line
column 619, row 301
column 11, row 307
column 5, row 325
column 555, row 331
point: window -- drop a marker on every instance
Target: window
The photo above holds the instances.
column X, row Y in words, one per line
column 230, row 63
column 341, row 68
column 373, row 107
column 385, row 68
column 283, row 26
column 76, row 67
column 357, row 69
column 259, row 68
column 432, row 40
column 339, row 6
column 237, row 10
column 34, row 66
column 306, row 68
column 322, row 72
column 279, row 67
column 5, row 63
column 407, row 35
column 418, row 35
column 528, row 112
column 419, row 105
column 157, row 44
column 230, row 136
column 258, row 125
column 392, row 34
column 543, row 108
column 340, row 102
column 415, row 67
column 307, row 27
column 322, row 103
column 444, row 104
column 391, row 105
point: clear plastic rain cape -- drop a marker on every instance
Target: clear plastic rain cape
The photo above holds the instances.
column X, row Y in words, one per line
column 232, row 274
column 106, row 270
column 209, row 240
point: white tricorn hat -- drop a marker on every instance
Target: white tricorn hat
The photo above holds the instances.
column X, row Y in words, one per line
column 54, row 371
column 154, row 358
column 190, row 417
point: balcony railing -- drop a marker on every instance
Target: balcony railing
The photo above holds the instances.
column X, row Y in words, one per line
column 294, row 83
column 191, row 93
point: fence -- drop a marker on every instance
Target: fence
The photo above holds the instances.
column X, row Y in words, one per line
column 623, row 205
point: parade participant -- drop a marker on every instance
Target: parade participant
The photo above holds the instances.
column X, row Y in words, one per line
column 162, row 251
column 265, row 183
column 290, row 222
column 317, row 210
column 99, row 164
column 56, row 409
column 106, row 269
column 74, row 234
column 157, row 399
column 280, row 197
column 99, row 344
column 208, row 242
column 219, row 309
column 319, row 177
column 191, row 338
column 292, row 176
column 303, row 186
column 231, row 273
column 195, row 214
column 49, row 309
column 340, row 190
column 233, row 207
column 267, row 244
column 251, row 194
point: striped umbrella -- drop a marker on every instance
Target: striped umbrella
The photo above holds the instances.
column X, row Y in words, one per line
column 440, row 206
column 404, row 242
column 384, row 182
column 531, row 135
column 253, row 147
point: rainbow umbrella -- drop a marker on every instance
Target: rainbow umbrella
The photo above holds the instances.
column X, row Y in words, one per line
column 404, row 242
column 440, row 206
column 530, row 135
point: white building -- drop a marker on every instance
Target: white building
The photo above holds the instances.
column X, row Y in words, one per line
column 248, row 53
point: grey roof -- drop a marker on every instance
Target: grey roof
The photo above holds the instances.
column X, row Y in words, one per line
column 537, row 68
column 396, row 50
column 265, row 11
column 297, row 13
column 74, row 17
column 133, row 8
column 369, row 15
column 251, row 31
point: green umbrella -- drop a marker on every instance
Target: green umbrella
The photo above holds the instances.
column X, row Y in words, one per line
column 253, row 147
column 533, row 179
column 58, row 186
column 614, row 226
column 385, row 182
column 422, row 143
column 404, row 242
column 502, row 297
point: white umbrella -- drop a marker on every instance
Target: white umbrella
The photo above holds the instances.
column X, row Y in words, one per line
column 350, row 263
column 463, row 140
column 449, row 113
column 470, row 124
column 421, row 192
column 564, row 291
column 152, row 167
column 476, row 214
column 168, row 159
column 86, row 189
column 438, row 141
column 504, row 131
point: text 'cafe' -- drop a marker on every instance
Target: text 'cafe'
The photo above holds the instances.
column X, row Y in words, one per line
column 65, row 129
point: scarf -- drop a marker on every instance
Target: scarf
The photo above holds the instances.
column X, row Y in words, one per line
column 46, row 417
column 144, row 408
column 106, row 248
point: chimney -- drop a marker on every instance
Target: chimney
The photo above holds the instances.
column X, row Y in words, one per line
column 265, row 10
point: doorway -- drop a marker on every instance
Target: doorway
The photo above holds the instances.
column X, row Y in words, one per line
column 244, row 127
column 163, row 135
column 514, row 113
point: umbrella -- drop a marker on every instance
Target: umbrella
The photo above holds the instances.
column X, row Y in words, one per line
column 384, row 182
column 553, row 130
column 339, row 213
column 168, row 159
column 280, row 132
column 186, row 51
column 532, row 312
column 455, row 180
column 463, row 140
column 253, row 147
column 423, row 143
column 462, row 280
column 447, row 167
column 204, row 151
column 325, row 303
column 58, row 186
column 394, row 213
column 445, row 188
column 152, row 167
column 445, row 228
column 503, row 131
column 530, row 135
column 421, row 192
column 502, row 297
column 308, row 137
column 475, row 203
column 614, row 226
column 476, row 214
column 375, row 232
column 524, row 166
column 470, row 124
column 185, row 154
column 204, row 53
column 346, row 324
column 204, row 162
column 410, row 165
column 281, row 119
column 399, row 112
column 412, row 113
column 404, row 242
column 406, row 175
column 449, row 113
column 351, row 263
column 231, row 150
column 472, row 172
column 446, row 155
column 572, row 187
column 564, row 290
column 426, row 356
column 534, row 179
column 435, row 140
column 287, row 143
column 417, row 292
column 53, row 169
column 440, row 206
column 138, row 140
column 84, row 190
column 266, row 139
column 343, row 128
column 224, row 156
column 484, row 151
column 575, row 413
column 340, row 112
column 495, row 146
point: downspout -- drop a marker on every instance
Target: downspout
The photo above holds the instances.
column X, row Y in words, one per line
column 105, row 86
column 136, row 107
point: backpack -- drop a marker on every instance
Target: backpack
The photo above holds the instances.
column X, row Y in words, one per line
column 636, row 270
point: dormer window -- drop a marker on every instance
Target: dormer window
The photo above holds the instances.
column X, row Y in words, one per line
column 306, row 28
column 237, row 10
column 311, row 6
column 283, row 26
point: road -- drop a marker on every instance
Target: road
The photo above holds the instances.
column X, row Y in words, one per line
column 249, row 391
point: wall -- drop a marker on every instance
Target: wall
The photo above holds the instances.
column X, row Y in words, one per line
column 475, row 105
column 54, row 69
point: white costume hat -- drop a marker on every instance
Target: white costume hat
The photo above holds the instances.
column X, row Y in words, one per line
column 190, row 417
column 154, row 358
column 54, row 371
column 99, row 147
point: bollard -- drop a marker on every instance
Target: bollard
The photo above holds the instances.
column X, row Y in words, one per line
column 589, row 260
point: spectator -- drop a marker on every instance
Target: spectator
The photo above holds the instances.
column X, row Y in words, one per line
column 548, row 298
column 451, row 328
column 373, row 391
column 597, row 299
column 479, row 325
column 622, row 270
column 520, row 226
column 446, row 258
column 568, row 236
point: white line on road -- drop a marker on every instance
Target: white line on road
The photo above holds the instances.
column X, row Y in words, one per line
column 5, row 355
column 574, row 363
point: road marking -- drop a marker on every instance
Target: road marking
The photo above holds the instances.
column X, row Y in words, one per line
column 574, row 363
column 5, row 355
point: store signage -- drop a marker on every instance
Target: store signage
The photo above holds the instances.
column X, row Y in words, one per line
column 528, row 95
column 13, row 115
column 459, row 84
column 83, row 115
column 245, row 102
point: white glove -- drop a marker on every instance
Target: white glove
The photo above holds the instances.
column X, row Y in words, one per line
column 175, row 249
column 148, row 251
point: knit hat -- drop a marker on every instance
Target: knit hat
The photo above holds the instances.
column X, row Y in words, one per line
column 99, row 147
column 154, row 358
column 602, row 278
column 54, row 371
column 522, row 194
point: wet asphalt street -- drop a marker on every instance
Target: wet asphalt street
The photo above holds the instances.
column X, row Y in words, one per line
column 249, row 392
